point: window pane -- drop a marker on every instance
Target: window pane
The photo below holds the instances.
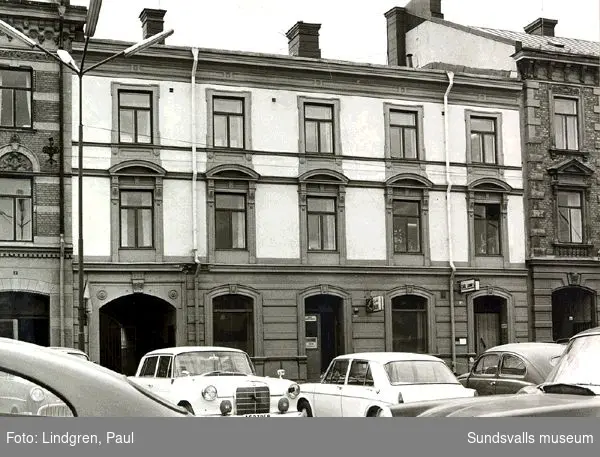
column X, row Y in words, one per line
column 402, row 118
column 126, row 130
column 238, row 222
column 492, row 212
column 10, row 186
column 395, row 144
column 329, row 232
column 164, row 364
column 236, row 132
column 409, row 330
column 487, row 365
column 481, row 124
column 128, row 228
column 480, row 236
column 318, row 112
column 565, row 106
column 572, row 142
column 405, row 208
column 311, row 136
column 476, row 148
column 413, row 238
column 144, row 228
column 326, row 138
column 6, row 115
column 23, row 220
column 234, row 330
column 493, row 238
column 23, row 108
column 7, row 219
column 560, row 137
column 12, row 78
column 490, row 148
column 479, row 211
column 314, row 232
column 144, row 128
column 410, row 143
column 220, row 131
column 324, row 205
column 133, row 198
column 358, row 373
column 564, row 226
column 135, row 99
column 573, row 199
column 512, row 365
column 576, row 226
column 228, row 105
column 399, row 234
column 230, row 201
column 223, row 230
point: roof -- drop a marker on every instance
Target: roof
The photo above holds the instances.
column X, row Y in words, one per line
column 385, row 357
column 527, row 350
column 588, row 332
column 182, row 349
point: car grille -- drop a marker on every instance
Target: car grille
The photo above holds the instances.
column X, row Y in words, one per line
column 252, row 400
column 55, row 410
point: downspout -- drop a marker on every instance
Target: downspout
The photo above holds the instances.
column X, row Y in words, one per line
column 195, row 197
column 449, row 221
column 61, row 191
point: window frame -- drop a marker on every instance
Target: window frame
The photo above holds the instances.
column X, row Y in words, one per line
column 369, row 371
column 321, row 215
column 487, row 375
column 14, row 197
column 250, row 314
column 135, row 110
column 228, row 115
column 580, row 134
column 152, row 218
column 329, row 374
column 31, row 91
column 335, row 105
column 244, row 195
column 417, row 111
column 246, row 98
column 487, row 220
column 512, row 375
column 581, row 207
column 426, row 320
column 405, row 218
column 497, row 117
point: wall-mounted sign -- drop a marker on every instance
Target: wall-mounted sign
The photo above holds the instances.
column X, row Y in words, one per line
column 375, row 304
column 311, row 343
column 310, row 318
column 468, row 285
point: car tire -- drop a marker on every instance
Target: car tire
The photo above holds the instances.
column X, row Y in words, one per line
column 374, row 412
column 186, row 405
column 305, row 409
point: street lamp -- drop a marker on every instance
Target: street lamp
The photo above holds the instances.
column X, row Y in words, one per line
column 67, row 60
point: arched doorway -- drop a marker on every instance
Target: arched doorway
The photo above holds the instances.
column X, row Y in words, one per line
column 324, row 332
column 490, row 322
column 25, row 316
column 573, row 310
column 409, row 324
column 131, row 326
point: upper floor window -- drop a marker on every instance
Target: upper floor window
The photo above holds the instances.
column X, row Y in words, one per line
column 135, row 117
column 137, row 212
column 565, row 123
column 487, row 229
column 15, row 98
column 407, row 226
column 318, row 128
column 230, row 221
column 403, row 134
column 15, row 210
column 483, row 140
column 322, row 218
column 228, row 122
column 570, row 217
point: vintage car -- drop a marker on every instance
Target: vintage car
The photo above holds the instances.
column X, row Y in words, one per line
column 39, row 381
column 508, row 368
column 215, row 381
column 572, row 389
column 71, row 351
column 364, row 384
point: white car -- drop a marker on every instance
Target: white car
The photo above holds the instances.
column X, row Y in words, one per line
column 367, row 384
column 215, row 381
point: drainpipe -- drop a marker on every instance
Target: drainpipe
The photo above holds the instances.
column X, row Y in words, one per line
column 61, row 191
column 194, row 195
column 449, row 221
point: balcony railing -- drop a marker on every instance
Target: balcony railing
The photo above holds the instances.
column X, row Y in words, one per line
column 573, row 250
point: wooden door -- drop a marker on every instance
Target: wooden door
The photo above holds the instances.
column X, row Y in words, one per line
column 487, row 331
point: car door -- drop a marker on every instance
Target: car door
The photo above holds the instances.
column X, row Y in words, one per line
column 512, row 375
column 146, row 375
column 328, row 394
column 359, row 391
column 484, row 376
column 163, row 382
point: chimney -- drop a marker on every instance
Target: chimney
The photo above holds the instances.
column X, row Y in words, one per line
column 541, row 26
column 152, row 22
column 396, row 36
column 425, row 8
column 304, row 40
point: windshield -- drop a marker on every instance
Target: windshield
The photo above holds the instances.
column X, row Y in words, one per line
column 419, row 372
column 203, row 362
column 579, row 364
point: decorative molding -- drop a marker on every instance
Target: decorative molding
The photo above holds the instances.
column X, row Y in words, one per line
column 102, row 294
column 16, row 157
column 173, row 294
column 137, row 282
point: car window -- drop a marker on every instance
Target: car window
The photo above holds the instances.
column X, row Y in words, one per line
column 512, row 365
column 487, row 365
column 359, row 369
column 337, row 373
column 149, row 367
column 21, row 396
column 164, row 367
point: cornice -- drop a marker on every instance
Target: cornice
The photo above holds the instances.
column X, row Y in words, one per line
column 109, row 267
column 37, row 252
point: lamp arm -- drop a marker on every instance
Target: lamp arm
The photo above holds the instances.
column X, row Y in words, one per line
column 55, row 57
column 102, row 62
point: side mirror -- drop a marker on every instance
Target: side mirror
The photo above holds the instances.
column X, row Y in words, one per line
column 281, row 373
column 185, row 373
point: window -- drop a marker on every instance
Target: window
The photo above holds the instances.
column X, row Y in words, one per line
column 321, row 223
column 136, row 219
column 565, row 123
column 512, row 366
column 15, row 210
column 230, row 221
column 233, row 322
column 487, row 229
column 409, row 324
column 228, row 122
column 135, row 117
column 487, row 365
column 164, row 367
column 483, row 140
column 570, row 217
column 149, row 367
column 403, row 134
column 318, row 128
column 360, row 374
column 337, row 372
column 407, row 226
column 15, row 98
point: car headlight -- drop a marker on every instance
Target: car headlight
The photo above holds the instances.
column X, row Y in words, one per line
column 209, row 393
column 293, row 391
column 37, row 394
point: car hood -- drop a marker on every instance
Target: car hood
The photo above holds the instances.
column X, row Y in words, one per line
column 549, row 405
column 226, row 385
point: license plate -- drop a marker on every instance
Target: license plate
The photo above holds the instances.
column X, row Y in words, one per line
column 258, row 415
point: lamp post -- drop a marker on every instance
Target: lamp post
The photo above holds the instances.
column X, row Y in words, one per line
column 64, row 58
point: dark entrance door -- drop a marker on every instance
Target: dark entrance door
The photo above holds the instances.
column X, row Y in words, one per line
column 573, row 311
column 25, row 316
column 328, row 310
column 131, row 326
column 491, row 325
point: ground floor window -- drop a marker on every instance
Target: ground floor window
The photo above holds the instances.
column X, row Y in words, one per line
column 25, row 316
column 409, row 324
column 573, row 311
column 233, row 322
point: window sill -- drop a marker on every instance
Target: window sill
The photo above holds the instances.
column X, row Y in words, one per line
column 554, row 152
column 18, row 129
column 137, row 249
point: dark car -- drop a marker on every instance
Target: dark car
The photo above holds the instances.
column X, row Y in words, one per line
column 572, row 389
column 508, row 368
column 39, row 381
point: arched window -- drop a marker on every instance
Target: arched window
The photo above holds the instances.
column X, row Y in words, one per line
column 409, row 324
column 233, row 322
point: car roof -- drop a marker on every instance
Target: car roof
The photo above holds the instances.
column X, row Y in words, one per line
column 588, row 332
column 183, row 349
column 385, row 357
column 527, row 348
column 67, row 349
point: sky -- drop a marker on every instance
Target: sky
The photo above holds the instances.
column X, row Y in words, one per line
column 351, row 30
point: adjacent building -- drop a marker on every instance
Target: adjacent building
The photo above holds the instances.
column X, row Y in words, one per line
column 298, row 207
column 35, row 214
